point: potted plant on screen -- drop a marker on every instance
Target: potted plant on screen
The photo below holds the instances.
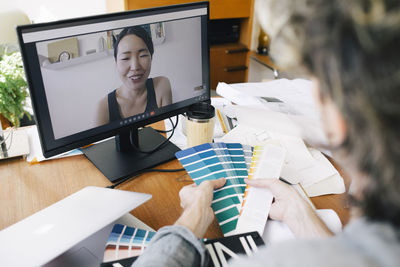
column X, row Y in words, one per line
column 13, row 88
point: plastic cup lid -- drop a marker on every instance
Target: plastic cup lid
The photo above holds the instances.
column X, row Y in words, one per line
column 201, row 111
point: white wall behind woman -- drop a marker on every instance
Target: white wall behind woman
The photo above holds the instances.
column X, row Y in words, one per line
column 73, row 103
column 179, row 58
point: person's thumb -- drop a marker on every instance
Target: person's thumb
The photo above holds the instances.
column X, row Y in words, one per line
column 218, row 183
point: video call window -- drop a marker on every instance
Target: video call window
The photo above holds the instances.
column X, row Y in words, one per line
column 88, row 84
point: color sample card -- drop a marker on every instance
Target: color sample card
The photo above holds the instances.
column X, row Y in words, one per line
column 202, row 163
column 248, row 154
column 232, row 162
column 268, row 161
column 236, row 153
column 257, row 150
column 124, row 242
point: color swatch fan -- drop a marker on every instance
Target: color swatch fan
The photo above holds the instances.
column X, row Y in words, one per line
column 214, row 161
column 125, row 241
column 234, row 162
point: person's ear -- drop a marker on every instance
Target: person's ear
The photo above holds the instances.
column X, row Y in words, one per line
column 332, row 119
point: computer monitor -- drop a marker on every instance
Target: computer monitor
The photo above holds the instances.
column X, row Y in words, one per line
column 95, row 77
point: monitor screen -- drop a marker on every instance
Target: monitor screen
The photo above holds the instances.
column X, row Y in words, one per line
column 91, row 78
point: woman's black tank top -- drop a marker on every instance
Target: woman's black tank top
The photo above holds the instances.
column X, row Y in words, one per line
column 113, row 107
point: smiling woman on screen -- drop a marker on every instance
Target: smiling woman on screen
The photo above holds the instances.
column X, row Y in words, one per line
column 133, row 54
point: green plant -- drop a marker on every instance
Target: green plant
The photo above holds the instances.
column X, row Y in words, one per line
column 13, row 88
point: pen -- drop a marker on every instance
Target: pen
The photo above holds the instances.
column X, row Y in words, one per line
column 285, row 181
column 224, row 129
column 302, row 189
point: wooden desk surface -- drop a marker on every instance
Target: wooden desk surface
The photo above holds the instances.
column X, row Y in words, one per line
column 26, row 189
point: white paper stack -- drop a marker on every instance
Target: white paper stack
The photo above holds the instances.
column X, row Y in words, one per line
column 290, row 122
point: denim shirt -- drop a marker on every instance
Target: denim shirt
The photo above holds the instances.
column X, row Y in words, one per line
column 362, row 243
column 174, row 246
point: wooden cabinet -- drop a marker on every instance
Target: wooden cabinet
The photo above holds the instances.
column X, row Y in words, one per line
column 228, row 62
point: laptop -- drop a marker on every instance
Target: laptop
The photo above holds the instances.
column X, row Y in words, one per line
column 75, row 227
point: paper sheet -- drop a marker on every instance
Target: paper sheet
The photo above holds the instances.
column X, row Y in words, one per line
column 297, row 115
column 302, row 165
column 246, row 136
column 308, row 174
column 236, row 96
column 268, row 120
column 295, row 94
column 16, row 142
column 331, row 185
column 276, row 231
column 35, row 155
column 297, row 158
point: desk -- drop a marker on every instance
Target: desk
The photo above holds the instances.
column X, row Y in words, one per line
column 264, row 60
column 26, row 189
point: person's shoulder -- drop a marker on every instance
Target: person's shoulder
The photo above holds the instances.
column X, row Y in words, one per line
column 162, row 88
column 103, row 104
column 161, row 82
column 102, row 111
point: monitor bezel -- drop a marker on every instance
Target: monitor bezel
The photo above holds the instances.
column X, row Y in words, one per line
column 50, row 145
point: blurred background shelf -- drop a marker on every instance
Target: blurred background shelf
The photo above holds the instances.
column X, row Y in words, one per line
column 79, row 60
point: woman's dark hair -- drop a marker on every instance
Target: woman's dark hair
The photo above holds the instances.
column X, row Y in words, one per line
column 353, row 48
column 139, row 32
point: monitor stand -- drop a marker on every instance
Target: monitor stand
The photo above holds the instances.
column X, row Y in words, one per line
column 117, row 159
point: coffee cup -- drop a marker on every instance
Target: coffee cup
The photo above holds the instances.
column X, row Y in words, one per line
column 199, row 124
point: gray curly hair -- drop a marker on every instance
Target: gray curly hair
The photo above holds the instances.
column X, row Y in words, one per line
column 353, row 48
